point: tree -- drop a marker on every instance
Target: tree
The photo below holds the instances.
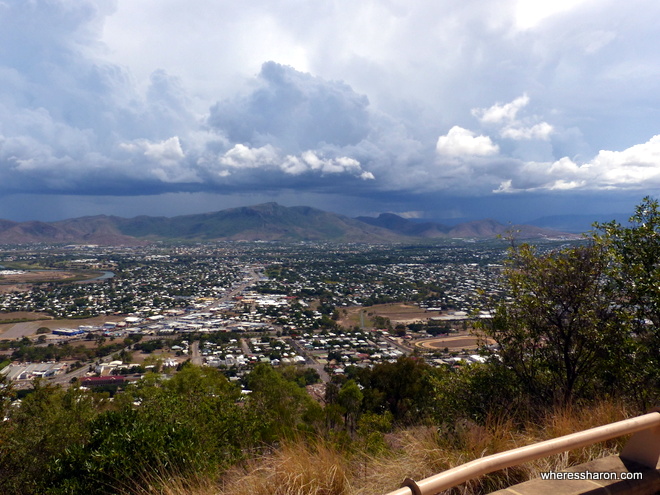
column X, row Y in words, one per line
column 188, row 425
column 634, row 269
column 284, row 406
column 402, row 388
column 350, row 399
column 635, row 255
column 49, row 422
column 559, row 331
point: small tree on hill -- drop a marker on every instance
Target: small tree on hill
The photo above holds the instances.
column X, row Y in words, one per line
column 559, row 331
column 634, row 269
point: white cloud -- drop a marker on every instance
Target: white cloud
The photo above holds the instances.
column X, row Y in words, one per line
column 462, row 142
column 635, row 168
column 529, row 13
column 501, row 113
column 164, row 160
column 310, row 161
column 506, row 116
column 269, row 158
column 540, row 131
column 241, row 156
column 166, row 152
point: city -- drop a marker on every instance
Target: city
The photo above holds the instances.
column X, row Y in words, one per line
column 242, row 303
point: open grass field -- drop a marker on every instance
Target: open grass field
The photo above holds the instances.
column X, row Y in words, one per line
column 29, row 328
column 396, row 312
column 21, row 281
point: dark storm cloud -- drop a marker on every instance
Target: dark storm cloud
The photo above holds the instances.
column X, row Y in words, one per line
column 70, row 123
column 293, row 111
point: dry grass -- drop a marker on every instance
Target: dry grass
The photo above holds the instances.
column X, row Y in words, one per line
column 565, row 421
column 423, row 452
column 159, row 483
column 317, row 468
column 297, row 468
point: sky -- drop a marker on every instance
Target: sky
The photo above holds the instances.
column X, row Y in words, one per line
column 443, row 109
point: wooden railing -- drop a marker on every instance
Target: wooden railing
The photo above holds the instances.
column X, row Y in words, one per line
column 643, row 448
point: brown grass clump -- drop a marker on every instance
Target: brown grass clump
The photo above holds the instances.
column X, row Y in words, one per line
column 567, row 420
column 296, row 468
column 174, row 484
column 426, row 451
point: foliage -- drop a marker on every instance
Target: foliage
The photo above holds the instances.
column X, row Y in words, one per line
column 301, row 375
column 350, row 399
column 475, row 392
column 73, row 441
column 49, row 422
column 284, row 407
column 6, row 393
column 634, row 270
column 371, row 430
column 188, row 424
column 29, row 352
column 559, row 331
column 403, row 388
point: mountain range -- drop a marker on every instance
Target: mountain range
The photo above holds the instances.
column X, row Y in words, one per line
column 266, row 222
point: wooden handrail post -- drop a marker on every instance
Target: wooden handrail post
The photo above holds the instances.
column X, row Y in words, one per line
column 644, row 447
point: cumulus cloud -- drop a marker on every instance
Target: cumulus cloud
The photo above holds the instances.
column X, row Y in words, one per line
column 462, row 142
column 309, row 161
column 166, row 152
column 501, row 113
column 293, row 111
column 164, row 160
column 635, row 168
column 511, row 126
column 269, row 158
column 241, row 156
column 540, row 131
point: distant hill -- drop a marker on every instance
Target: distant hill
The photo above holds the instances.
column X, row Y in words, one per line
column 266, row 222
column 577, row 223
column 475, row 229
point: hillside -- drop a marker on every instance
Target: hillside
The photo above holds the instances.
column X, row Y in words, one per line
column 480, row 229
column 265, row 222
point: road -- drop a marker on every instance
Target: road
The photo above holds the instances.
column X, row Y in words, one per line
column 195, row 356
column 310, row 362
column 405, row 349
column 66, row 378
